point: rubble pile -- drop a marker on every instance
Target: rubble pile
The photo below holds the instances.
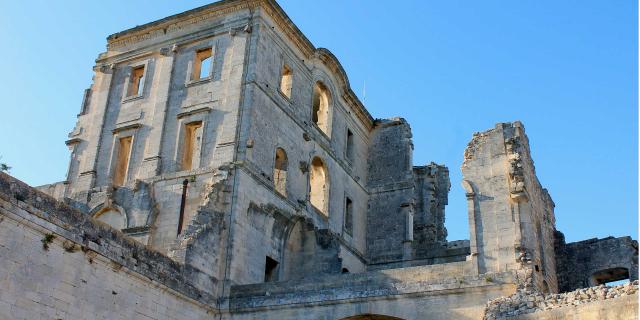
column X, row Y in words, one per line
column 528, row 301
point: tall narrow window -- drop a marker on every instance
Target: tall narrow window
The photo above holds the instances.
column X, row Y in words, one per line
column 136, row 82
column 270, row 270
column 319, row 185
column 280, row 172
column 202, row 64
column 191, row 145
column 349, row 152
column 320, row 115
column 286, row 81
column 122, row 161
column 348, row 216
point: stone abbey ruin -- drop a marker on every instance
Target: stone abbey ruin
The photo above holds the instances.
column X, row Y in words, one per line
column 222, row 168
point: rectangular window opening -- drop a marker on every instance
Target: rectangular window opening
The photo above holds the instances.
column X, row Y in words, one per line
column 122, row 161
column 349, row 149
column 202, row 64
column 270, row 270
column 348, row 216
column 136, row 82
column 191, row 145
column 286, row 81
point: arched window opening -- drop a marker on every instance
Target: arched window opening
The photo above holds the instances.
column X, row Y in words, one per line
column 111, row 217
column 345, row 270
column 612, row 276
column 280, row 172
column 319, row 185
column 286, row 81
column 320, row 114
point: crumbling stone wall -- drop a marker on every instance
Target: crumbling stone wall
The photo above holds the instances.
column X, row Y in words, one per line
column 432, row 192
column 510, row 214
column 531, row 302
column 390, row 181
column 578, row 262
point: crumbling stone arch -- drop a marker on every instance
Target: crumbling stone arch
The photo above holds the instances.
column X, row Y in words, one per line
column 112, row 215
column 280, row 171
column 308, row 251
column 475, row 225
column 319, row 185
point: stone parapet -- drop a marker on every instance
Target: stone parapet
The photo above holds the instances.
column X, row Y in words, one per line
column 94, row 237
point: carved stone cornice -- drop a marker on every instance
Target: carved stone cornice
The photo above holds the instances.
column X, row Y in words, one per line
column 206, row 13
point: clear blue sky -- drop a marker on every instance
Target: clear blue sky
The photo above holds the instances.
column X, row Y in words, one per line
column 566, row 69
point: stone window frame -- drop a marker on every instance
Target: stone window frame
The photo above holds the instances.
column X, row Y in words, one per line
column 330, row 106
column 143, row 87
column 127, row 131
column 183, row 121
column 211, row 44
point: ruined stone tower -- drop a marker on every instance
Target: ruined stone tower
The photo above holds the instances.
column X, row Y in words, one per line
column 222, row 156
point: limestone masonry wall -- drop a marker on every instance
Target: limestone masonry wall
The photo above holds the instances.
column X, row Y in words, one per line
column 221, row 165
column 58, row 263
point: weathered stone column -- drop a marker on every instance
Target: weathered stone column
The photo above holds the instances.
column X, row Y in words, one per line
column 406, row 209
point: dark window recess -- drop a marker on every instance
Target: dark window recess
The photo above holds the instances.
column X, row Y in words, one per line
column 349, row 148
column 345, row 270
column 348, row 217
column 270, row 270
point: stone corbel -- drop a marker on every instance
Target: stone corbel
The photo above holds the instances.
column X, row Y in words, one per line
column 105, row 68
column 165, row 51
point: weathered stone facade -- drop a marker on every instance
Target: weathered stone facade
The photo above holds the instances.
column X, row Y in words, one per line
column 224, row 163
